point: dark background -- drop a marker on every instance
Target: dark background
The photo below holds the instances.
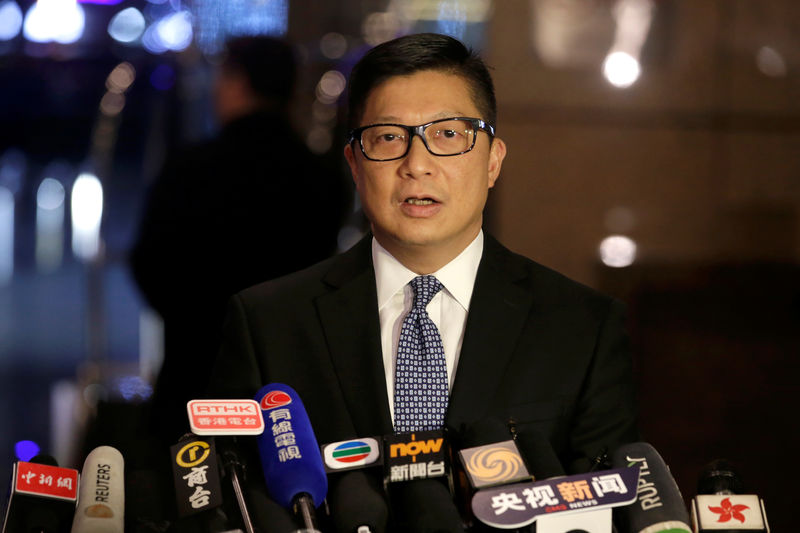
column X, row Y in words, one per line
column 698, row 162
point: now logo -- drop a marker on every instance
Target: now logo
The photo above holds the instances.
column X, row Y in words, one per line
column 415, row 447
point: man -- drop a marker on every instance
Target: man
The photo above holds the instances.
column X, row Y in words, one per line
column 525, row 350
column 222, row 216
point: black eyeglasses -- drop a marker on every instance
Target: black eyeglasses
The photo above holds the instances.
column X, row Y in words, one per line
column 443, row 137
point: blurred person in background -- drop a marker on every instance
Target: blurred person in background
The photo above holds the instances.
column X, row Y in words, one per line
column 250, row 205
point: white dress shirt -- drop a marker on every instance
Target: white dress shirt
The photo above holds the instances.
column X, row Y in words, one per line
column 448, row 309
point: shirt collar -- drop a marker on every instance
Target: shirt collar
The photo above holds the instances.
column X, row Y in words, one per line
column 457, row 276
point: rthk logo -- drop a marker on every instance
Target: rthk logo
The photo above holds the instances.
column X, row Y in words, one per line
column 728, row 511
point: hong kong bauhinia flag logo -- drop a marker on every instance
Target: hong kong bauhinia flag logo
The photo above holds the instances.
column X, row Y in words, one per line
column 728, row 511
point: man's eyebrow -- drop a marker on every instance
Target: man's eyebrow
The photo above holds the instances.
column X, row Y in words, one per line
column 391, row 119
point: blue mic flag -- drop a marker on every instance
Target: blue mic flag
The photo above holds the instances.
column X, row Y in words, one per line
column 290, row 455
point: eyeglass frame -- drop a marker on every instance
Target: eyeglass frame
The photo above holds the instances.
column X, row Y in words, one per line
column 477, row 123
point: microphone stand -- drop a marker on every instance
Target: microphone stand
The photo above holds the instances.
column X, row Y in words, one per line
column 304, row 506
column 232, row 463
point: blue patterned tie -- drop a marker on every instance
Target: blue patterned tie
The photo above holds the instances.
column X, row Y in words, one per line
column 420, row 386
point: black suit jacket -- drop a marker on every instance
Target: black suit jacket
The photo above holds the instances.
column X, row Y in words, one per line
column 542, row 356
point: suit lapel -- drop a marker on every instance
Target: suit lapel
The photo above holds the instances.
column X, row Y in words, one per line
column 497, row 314
column 349, row 317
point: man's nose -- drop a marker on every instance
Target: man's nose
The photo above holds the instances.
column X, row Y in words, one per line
column 418, row 160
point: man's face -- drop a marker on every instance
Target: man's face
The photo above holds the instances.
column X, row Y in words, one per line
column 425, row 209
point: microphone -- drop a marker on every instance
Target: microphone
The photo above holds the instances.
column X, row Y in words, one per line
column 539, row 455
column 228, row 418
column 357, row 504
column 659, row 507
column 420, row 455
column 720, row 504
column 101, row 504
column 425, row 505
column 489, row 457
column 536, row 451
column 198, row 490
column 356, row 498
column 420, row 482
column 290, row 456
column 42, row 497
column 582, row 502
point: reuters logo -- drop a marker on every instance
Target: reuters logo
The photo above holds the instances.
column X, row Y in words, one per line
column 492, row 465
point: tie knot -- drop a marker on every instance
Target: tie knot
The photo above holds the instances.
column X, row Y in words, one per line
column 425, row 288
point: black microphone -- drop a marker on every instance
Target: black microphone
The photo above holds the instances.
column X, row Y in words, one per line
column 356, row 496
column 659, row 507
column 198, row 489
column 536, row 451
column 539, row 455
column 101, row 505
column 420, row 482
column 722, row 504
column 425, row 505
column 290, row 456
column 42, row 497
column 488, row 457
column 357, row 503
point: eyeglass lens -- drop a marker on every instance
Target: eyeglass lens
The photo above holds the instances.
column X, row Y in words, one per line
column 448, row 137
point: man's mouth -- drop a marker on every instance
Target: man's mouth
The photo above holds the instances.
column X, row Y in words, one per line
column 420, row 201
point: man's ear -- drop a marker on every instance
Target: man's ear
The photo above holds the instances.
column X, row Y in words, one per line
column 497, row 152
column 350, row 156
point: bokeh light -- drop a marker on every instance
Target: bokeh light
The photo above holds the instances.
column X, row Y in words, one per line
column 61, row 21
column 621, row 69
column 770, row 62
column 333, row 45
column 133, row 388
column 87, row 212
column 6, row 235
column 330, row 86
column 50, row 222
column 10, row 20
column 175, row 31
column 25, row 450
column 127, row 25
column 617, row 251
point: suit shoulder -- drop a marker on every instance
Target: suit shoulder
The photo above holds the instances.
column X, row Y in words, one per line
column 311, row 282
column 545, row 283
column 297, row 285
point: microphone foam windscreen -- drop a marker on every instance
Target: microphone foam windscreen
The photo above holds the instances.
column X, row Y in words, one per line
column 289, row 452
column 355, row 500
column 101, row 504
column 659, row 504
column 426, row 505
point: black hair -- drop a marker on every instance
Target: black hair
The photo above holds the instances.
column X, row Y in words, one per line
column 414, row 53
column 268, row 63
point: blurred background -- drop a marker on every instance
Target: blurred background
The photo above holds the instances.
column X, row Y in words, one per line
column 654, row 153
